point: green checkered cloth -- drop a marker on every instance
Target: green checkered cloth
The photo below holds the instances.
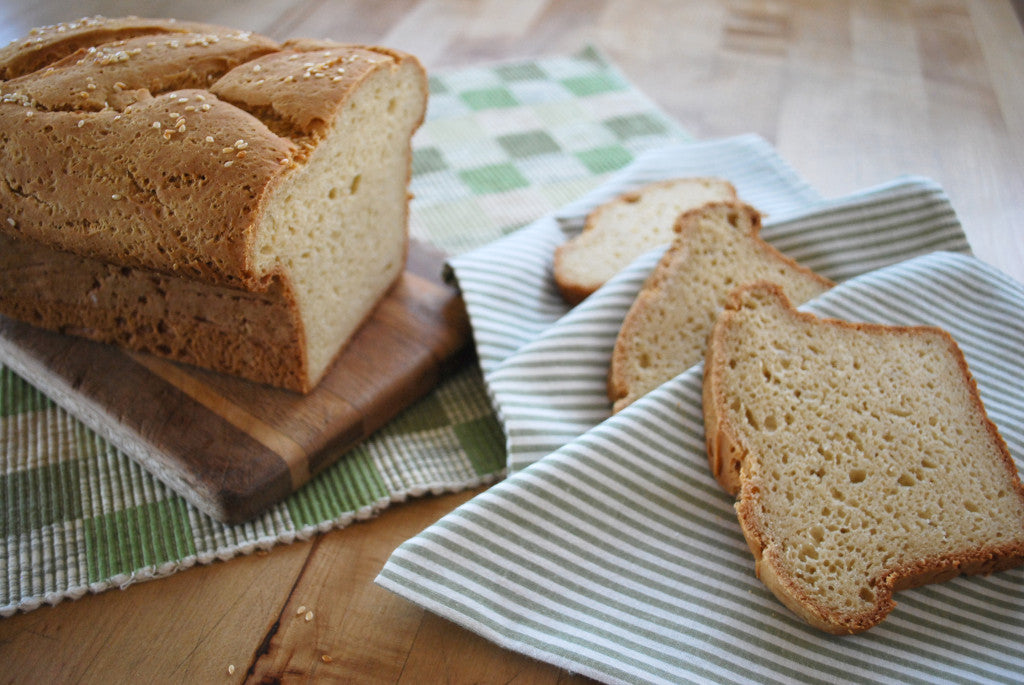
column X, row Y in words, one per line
column 501, row 145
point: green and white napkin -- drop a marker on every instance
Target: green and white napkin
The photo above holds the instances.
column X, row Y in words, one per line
column 610, row 550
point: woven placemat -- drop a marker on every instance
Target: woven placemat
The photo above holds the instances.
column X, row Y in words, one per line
column 502, row 145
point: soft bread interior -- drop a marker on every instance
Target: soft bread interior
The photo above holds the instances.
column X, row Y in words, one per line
column 336, row 228
column 870, row 465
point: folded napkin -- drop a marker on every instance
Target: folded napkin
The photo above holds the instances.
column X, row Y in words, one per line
column 610, row 550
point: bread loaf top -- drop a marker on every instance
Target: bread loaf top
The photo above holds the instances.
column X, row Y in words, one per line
column 179, row 133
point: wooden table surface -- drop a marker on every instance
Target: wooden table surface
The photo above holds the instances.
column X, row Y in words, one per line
column 851, row 92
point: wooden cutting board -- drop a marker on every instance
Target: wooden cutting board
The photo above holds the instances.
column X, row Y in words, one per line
column 233, row 447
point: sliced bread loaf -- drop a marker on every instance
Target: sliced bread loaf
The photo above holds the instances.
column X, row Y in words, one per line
column 621, row 230
column 716, row 249
column 202, row 193
column 863, row 456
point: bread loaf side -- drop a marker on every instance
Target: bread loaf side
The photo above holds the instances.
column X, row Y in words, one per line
column 153, row 166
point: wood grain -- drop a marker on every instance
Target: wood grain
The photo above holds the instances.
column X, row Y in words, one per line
column 851, row 92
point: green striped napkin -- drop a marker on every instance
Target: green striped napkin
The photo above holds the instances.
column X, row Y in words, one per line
column 618, row 556
column 502, row 145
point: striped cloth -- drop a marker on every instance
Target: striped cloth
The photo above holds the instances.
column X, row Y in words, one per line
column 611, row 551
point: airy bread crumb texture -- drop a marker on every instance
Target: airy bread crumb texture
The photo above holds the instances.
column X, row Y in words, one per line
column 716, row 248
column 621, row 230
column 868, row 463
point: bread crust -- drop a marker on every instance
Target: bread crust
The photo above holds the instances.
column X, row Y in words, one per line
column 736, row 468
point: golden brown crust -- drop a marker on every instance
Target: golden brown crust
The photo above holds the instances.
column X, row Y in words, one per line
column 252, row 335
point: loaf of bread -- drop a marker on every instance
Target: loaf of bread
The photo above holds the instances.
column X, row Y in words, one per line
column 622, row 229
column 863, row 456
column 716, row 248
column 202, row 193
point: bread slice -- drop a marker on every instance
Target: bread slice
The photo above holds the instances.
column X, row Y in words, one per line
column 621, row 230
column 716, row 249
column 867, row 462
column 203, row 193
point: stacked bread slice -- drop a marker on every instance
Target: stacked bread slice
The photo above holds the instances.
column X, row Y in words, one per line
column 716, row 248
column 861, row 455
column 619, row 231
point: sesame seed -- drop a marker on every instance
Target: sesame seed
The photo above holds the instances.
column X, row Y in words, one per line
column 326, row 658
column 257, row 68
column 11, row 221
column 181, row 128
column 205, row 107
column 200, row 97
column 241, row 144
column 289, row 78
column 180, row 121
column 309, row 616
column 231, row 669
column 182, row 100
column 91, row 86
column 209, row 139
column 227, row 150
column 156, row 124
column 115, row 196
column 190, row 108
column 228, row 163
column 241, row 154
column 300, row 610
column 81, row 123
column 173, row 115
column 167, row 135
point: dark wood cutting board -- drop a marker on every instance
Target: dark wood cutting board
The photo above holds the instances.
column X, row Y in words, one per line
column 233, row 447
